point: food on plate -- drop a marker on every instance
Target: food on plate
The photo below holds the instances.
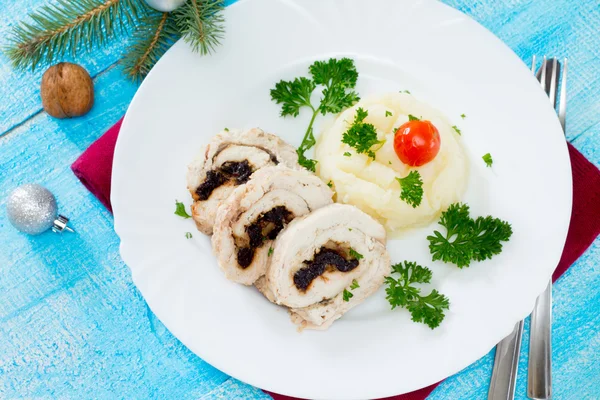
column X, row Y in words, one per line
column 229, row 160
column 400, row 292
column 394, row 161
column 325, row 263
column 250, row 219
column 336, row 77
column 359, row 156
column 467, row 239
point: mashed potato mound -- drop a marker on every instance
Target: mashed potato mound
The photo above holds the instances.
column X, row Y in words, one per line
column 371, row 185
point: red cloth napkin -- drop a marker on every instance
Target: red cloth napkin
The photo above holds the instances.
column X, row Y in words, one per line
column 94, row 169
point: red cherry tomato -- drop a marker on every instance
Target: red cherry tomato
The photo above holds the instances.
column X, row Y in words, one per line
column 417, row 142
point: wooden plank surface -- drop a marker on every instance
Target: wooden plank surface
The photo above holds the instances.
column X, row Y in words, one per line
column 72, row 324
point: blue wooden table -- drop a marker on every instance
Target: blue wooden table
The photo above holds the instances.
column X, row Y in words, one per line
column 73, row 325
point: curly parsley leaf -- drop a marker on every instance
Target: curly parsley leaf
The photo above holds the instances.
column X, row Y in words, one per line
column 488, row 159
column 180, row 210
column 412, row 188
column 293, row 95
column 354, row 285
column 361, row 135
column 355, row 254
column 347, row 295
column 337, row 77
column 466, row 239
column 400, row 293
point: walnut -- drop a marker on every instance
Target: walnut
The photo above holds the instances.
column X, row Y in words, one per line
column 67, row 90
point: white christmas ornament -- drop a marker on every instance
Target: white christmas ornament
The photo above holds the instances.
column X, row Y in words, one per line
column 32, row 209
column 165, row 5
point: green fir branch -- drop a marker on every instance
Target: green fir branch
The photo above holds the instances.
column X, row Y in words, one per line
column 67, row 26
column 200, row 22
column 153, row 36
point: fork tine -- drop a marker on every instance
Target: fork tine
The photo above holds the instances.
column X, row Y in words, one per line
column 562, row 105
column 553, row 81
column 533, row 65
column 543, row 74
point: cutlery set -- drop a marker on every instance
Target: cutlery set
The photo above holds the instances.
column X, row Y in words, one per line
column 506, row 362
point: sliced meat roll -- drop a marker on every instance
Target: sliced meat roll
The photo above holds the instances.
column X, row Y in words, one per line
column 319, row 256
column 254, row 214
column 228, row 161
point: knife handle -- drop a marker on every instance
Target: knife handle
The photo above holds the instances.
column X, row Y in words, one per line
column 539, row 378
column 506, row 362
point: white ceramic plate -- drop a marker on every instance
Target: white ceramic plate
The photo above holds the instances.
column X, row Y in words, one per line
column 443, row 58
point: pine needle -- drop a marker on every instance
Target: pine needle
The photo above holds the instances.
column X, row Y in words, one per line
column 153, row 36
column 69, row 26
column 200, row 22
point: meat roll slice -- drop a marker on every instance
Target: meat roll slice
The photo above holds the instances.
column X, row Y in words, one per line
column 228, row 161
column 318, row 256
column 254, row 214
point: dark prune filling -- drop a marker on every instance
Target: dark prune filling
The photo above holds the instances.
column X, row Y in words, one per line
column 315, row 268
column 267, row 226
column 236, row 171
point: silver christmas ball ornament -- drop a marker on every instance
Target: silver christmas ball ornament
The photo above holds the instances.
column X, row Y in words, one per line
column 165, row 5
column 32, row 209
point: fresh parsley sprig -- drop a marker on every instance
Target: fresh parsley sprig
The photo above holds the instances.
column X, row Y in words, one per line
column 467, row 239
column 362, row 136
column 180, row 210
column 401, row 293
column 337, row 77
column 411, row 188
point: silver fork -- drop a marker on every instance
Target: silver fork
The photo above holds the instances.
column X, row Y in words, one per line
column 539, row 370
column 504, row 374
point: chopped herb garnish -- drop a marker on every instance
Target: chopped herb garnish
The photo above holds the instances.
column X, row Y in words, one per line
column 337, row 77
column 456, row 129
column 467, row 239
column 413, row 118
column 463, row 116
column 270, row 252
column 488, row 159
column 330, row 184
column 411, row 188
column 350, row 229
column 355, row 254
column 347, row 154
column 354, row 285
column 388, row 113
column 361, row 135
column 347, row 295
column 405, row 91
column 180, row 210
column 226, row 129
column 188, row 235
column 400, row 293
